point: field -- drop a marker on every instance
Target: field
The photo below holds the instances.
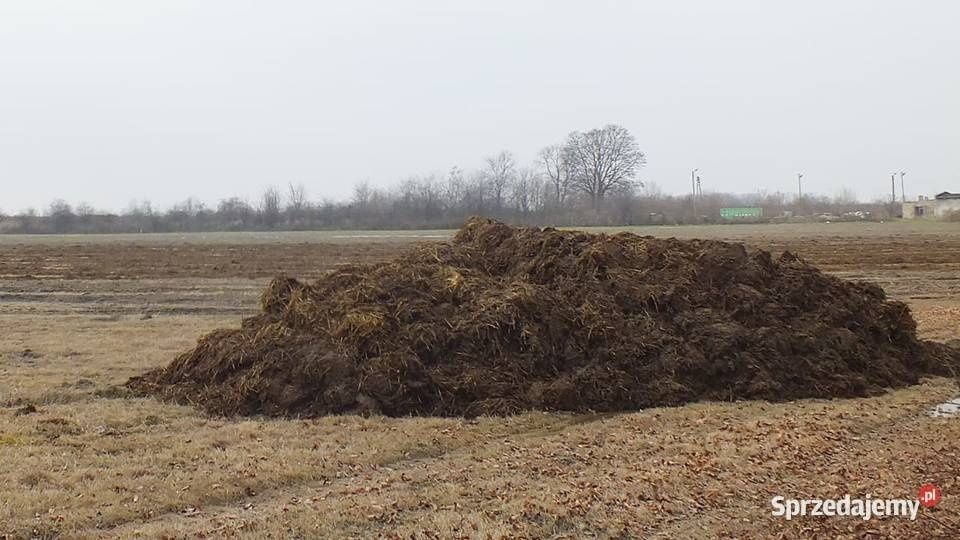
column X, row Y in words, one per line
column 79, row 315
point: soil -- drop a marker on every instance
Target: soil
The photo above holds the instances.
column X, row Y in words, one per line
column 502, row 320
column 847, row 247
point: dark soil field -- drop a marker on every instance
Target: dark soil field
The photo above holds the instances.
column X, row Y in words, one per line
column 79, row 316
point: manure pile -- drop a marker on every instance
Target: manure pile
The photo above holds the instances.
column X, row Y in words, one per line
column 506, row 319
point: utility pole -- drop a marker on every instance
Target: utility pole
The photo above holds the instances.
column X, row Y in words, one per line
column 903, row 195
column 799, row 191
column 893, row 195
column 693, row 186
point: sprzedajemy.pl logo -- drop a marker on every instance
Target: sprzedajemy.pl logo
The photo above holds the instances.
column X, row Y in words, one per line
column 866, row 507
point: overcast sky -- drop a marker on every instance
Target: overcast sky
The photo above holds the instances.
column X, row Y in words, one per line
column 113, row 101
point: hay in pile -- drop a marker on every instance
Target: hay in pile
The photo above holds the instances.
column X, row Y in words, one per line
column 507, row 319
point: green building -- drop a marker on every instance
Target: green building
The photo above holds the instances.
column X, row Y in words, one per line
column 741, row 213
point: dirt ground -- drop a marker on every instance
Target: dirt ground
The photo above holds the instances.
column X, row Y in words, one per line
column 79, row 315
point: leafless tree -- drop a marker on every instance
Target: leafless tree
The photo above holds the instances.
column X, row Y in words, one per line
column 551, row 159
column 59, row 207
column 422, row 196
column 476, row 194
column 85, row 215
column 362, row 194
column 652, row 190
column 296, row 200
column 29, row 219
column 140, row 208
column 602, row 160
column 431, row 193
column 235, row 213
column 455, row 189
column 85, row 210
column 184, row 216
column 845, row 196
column 189, row 207
column 61, row 216
column 527, row 191
column 270, row 207
column 499, row 172
column 142, row 215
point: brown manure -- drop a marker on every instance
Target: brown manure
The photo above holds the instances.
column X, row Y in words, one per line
column 506, row 319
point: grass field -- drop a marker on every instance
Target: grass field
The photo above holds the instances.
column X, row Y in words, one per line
column 81, row 314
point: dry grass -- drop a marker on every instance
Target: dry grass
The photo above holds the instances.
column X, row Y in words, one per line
column 937, row 321
column 704, row 470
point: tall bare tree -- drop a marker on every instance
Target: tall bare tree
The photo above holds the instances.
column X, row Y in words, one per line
column 84, row 210
column 235, row 213
column 61, row 216
column 527, row 191
column 142, row 215
column 362, row 193
column 602, row 160
column 455, row 189
column 554, row 165
column 477, row 193
column 270, row 207
column 499, row 172
column 296, row 200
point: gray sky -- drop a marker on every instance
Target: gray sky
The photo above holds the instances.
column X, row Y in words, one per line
column 111, row 101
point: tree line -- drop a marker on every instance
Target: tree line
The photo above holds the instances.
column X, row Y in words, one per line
column 590, row 178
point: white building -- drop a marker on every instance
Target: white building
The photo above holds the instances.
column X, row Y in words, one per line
column 939, row 207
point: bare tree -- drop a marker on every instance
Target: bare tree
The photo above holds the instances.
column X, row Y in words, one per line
column 142, row 215
column 190, row 207
column 602, row 160
column 420, row 197
column 296, row 200
column 85, row 215
column 526, row 191
column 551, row 159
column 141, row 208
column 476, row 193
column 61, row 216
column 234, row 213
column 85, row 210
column 500, row 171
column 455, row 189
column 29, row 219
column 431, row 197
column 845, row 196
column 270, row 206
column 186, row 215
column 652, row 190
column 362, row 194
